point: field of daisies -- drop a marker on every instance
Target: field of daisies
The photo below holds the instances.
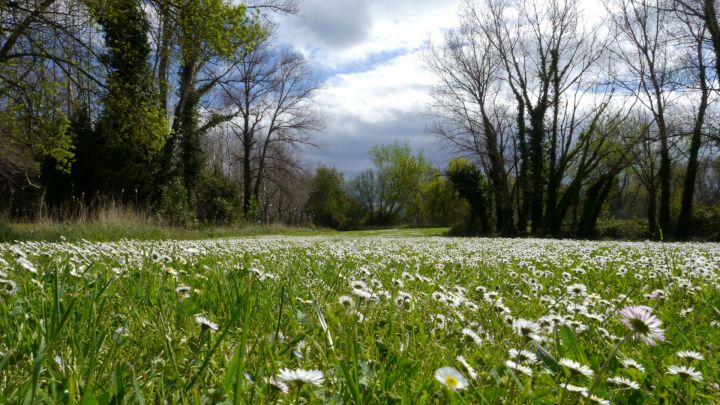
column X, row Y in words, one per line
column 359, row 320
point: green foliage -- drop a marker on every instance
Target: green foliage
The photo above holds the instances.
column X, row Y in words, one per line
column 132, row 128
column 400, row 178
column 173, row 208
column 472, row 186
column 441, row 202
column 218, row 27
column 218, row 200
column 327, row 199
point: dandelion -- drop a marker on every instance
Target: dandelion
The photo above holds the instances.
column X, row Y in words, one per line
column 624, row 382
column 301, row 376
column 642, row 323
column 685, row 372
column 690, row 354
column 451, row 378
column 576, row 368
column 206, row 323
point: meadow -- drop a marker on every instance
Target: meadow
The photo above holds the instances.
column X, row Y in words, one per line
column 351, row 319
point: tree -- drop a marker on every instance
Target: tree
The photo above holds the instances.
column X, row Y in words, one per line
column 271, row 94
column 471, row 186
column 399, row 180
column 644, row 26
column 326, row 201
column 132, row 126
column 213, row 37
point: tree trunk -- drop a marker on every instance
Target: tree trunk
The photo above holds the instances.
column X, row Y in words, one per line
column 684, row 226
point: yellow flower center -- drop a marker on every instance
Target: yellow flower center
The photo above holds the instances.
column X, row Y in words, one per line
column 451, row 381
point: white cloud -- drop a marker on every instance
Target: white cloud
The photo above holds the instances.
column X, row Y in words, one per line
column 378, row 94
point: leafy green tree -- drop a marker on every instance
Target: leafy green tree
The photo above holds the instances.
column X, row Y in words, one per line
column 399, row 180
column 212, row 37
column 472, row 186
column 327, row 199
column 132, row 126
column 442, row 204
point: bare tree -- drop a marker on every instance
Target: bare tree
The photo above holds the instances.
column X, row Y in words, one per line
column 271, row 93
column 644, row 30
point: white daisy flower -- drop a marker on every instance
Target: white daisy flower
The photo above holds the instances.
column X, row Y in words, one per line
column 206, row 323
column 523, row 356
column 624, row 382
column 690, row 354
column 526, row 329
column 472, row 335
column 644, row 325
column 576, row 368
column 468, row 367
column 277, row 384
column 685, row 372
column 451, row 378
column 631, row 363
column 346, row 301
column 301, row 376
column 518, row 367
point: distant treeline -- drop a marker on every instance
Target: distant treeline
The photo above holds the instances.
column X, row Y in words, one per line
column 190, row 112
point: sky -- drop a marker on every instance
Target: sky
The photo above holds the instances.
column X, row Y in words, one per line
column 375, row 89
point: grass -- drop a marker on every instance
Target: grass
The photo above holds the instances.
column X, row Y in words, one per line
column 115, row 230
column 212, row 321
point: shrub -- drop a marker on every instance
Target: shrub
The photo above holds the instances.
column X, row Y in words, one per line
column 173, row 208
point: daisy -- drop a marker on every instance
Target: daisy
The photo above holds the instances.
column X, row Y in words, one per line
column 577, row 290
column 526, row 329
column 301, row 376
column 523, row 356
column 346, row 301
column 451, row 378
column 631, row 363
column 690, row 354
column 625, row 382
column 277, row 384
column 519, row 367
column 468, row 367
column 206, row 323
column 8, row 287
column 685, row 372
column 574, row 388
column 595, row 398
column 472, row 335
column 643, row 324
column 576, row 368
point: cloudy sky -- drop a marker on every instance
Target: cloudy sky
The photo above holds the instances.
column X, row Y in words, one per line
column 375, row 89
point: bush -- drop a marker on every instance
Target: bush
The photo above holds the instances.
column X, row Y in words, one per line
column 617, row 229
column 707, row 223
column 173, row 208
column 218, row 200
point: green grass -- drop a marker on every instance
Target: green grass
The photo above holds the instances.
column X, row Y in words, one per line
column 102, row 323
column 106, row 231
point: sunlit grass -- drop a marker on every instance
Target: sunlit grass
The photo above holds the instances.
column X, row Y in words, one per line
column 355, row 319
